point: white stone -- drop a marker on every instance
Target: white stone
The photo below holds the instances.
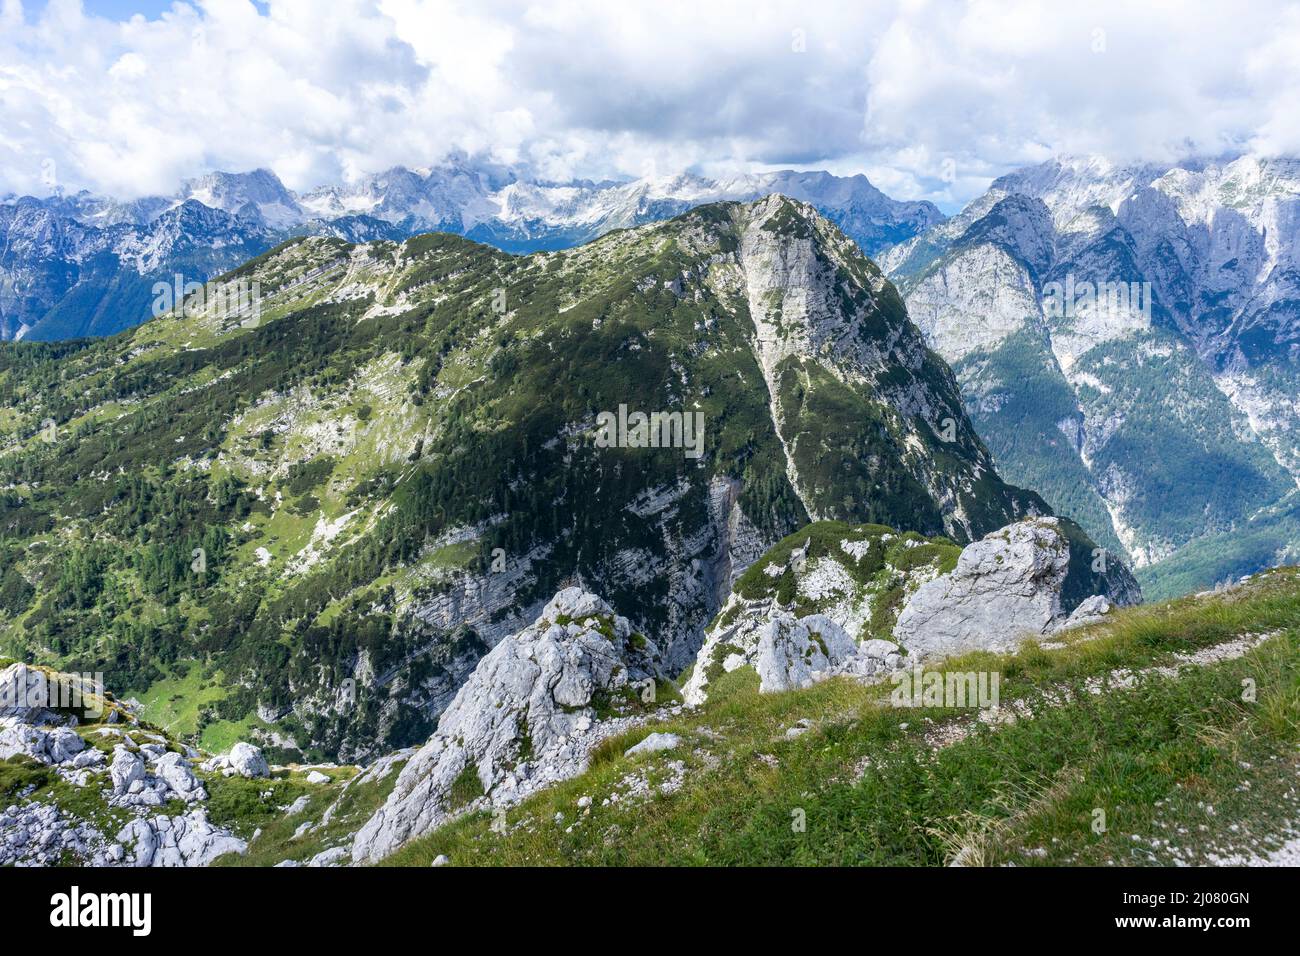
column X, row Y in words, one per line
column 653, row 744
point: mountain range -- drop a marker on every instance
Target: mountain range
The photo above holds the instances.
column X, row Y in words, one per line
column 84, row 265
column 1167, row 424
column 1128, row 343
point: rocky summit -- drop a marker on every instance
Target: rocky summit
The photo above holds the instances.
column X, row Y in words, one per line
column 525, row 718
column 864, row 601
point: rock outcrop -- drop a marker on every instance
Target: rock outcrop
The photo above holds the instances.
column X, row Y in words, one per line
column 788, row 653
column 523, row 720
column 1022, row 581
column 144, row 773
column 189, row 840
column 822, row 602
column 826, row 601
column 244, row 759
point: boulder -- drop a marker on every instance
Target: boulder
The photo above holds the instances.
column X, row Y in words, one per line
column 25, row 695
column 518, row 722
column 1092, row 611
column 52, row 745
column 189, row 840
column 243, row 759
column 126, row 770
column 175, row 771
column 786, row 652
column 1016, row 583
column 653, row 744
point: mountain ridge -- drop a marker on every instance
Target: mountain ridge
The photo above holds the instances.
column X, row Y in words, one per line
column 215, row 222
column 1157, row 420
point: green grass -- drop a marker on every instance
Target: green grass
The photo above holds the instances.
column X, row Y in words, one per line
column 356, row 803
column 872, row 790
column 175, row 703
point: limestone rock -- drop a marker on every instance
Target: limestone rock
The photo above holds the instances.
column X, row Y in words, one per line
column 518, row 721
column 55, row 745
column 787, row 653
column 653, row 744
column 175, row 771
column 243, row 759
column 1009, row 585
column 1091, row 611
column 335, row 856
column 39, row 834
column 126, row 769
column 189, row 840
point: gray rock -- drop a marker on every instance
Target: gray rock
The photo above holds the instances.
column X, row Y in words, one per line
column 89, row 758
column 653, row 744
column 787, row 652
column 189, row 840
column 25, row 695
column 514, row 725
column 126, row 770
column 1091, row 611
column 175, row 771
column 247, row 761
column 1006, row 587
column 243, row 759
column 298, row 806
column 331, row 857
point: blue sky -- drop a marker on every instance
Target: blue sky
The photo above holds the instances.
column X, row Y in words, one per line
column 125, row 9
column 928, row 98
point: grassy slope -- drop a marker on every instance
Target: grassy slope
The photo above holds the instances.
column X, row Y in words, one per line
column 1153, row 758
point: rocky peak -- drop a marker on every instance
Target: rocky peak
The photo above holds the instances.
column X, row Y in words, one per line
column 1022, row 580
column 524, row 718
column 836, row 600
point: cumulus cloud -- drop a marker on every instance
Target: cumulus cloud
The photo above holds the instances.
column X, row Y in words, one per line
column 929, row 99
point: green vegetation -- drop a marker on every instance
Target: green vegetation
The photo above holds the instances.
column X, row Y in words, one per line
column 354, row 800
column 1185, row 471
column 882, row 565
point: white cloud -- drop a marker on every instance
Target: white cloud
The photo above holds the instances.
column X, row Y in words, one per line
column 930, row 99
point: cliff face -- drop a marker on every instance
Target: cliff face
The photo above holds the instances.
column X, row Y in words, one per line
column 1125, row 342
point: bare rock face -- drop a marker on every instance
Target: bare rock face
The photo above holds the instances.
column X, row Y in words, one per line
column 1018, row 582
column 788, row 653
column 189, row 840
column 518, row 723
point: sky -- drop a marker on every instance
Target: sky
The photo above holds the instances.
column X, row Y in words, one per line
column 930, row 100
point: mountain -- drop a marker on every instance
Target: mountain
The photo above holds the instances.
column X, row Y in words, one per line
column 85, row 265
column 307, row 522
column 1127, row 342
